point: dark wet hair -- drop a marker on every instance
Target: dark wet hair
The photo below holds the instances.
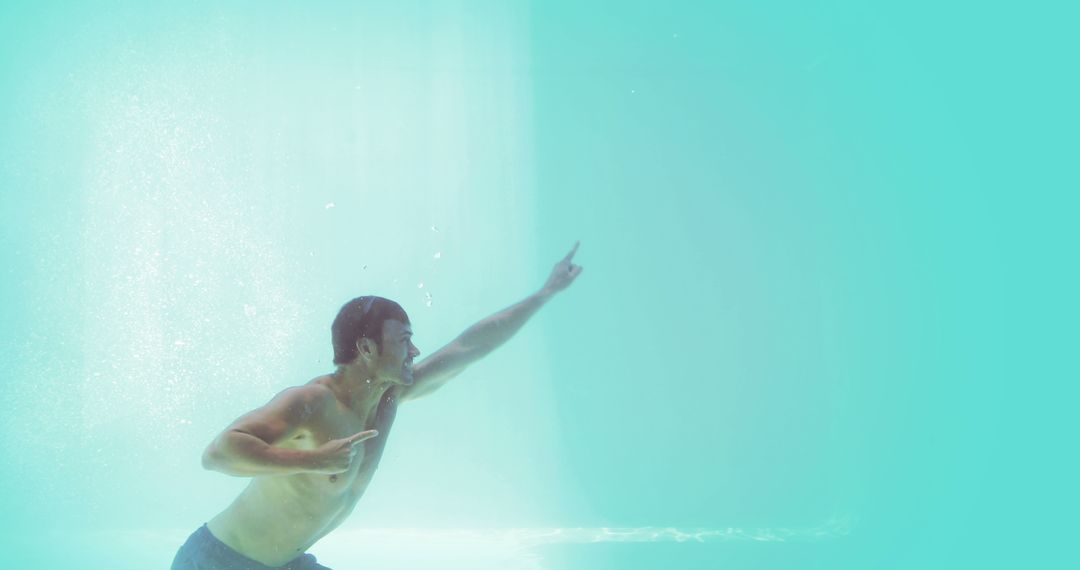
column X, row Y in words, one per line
column 363, row 317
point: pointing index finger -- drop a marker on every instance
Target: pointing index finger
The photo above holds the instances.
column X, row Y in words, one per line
column 362, row 436
column 573, row 250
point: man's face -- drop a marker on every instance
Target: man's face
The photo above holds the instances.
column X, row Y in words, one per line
column 398, row 352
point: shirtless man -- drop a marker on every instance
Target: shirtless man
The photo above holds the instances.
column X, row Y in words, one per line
column 312, row 450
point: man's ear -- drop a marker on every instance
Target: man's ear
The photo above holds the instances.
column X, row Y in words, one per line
column 367, row 347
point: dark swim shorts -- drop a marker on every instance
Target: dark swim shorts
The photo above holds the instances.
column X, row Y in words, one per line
column 203, row 551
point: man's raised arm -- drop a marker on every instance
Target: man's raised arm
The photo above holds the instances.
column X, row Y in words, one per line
column 485, row 336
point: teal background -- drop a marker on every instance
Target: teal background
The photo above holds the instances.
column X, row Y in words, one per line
column 829, row 251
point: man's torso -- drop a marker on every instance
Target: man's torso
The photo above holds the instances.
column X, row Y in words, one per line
column 277, row 518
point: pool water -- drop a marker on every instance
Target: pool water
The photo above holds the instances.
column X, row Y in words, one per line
column 823, row 322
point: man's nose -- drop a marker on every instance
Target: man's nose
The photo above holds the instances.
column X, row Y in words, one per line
column 414, row 351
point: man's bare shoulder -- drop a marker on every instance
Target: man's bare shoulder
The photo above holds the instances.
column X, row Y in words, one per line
column 306, row 399
column 316, row 391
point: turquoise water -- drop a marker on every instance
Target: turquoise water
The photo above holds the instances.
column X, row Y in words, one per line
column 828, row 297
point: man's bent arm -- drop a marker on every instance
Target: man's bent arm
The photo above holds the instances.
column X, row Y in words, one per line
column 485, row 336
column 245, row 448
column 243, row 455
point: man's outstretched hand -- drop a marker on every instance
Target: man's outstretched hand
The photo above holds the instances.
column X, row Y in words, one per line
column 563, row 274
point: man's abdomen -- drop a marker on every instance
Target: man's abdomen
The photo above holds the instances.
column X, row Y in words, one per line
column 274, row 521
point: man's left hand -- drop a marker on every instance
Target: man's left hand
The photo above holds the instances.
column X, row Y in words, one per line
column 563, row 274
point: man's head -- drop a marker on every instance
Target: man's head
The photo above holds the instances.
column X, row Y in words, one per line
column 363, row 317
column 378, row 328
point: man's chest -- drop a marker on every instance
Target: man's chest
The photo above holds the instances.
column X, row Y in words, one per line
column 339, row 424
